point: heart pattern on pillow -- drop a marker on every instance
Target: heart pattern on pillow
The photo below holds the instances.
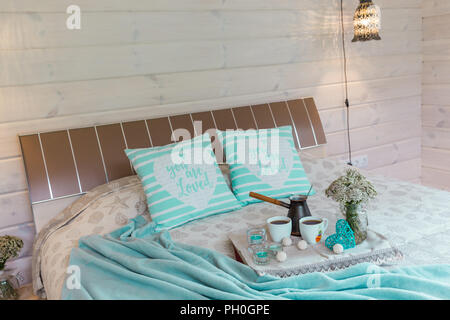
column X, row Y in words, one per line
column 277, row 167
column 343, row 236
column 186, row 181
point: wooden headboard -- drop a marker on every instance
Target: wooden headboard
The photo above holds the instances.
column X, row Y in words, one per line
column 62, row 165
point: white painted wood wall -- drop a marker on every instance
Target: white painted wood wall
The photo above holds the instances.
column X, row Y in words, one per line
column 140, row 58
column 436, row 94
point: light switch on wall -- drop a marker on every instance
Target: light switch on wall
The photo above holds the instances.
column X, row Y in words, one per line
column 361, row 161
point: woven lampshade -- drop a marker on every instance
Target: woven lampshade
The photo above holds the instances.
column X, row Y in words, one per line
column 366, row 21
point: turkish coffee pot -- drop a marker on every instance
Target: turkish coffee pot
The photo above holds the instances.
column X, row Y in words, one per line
column 298, row 208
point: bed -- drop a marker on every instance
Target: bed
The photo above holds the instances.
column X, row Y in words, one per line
column 415, row 219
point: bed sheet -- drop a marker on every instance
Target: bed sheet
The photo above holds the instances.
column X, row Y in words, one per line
column 416, row 219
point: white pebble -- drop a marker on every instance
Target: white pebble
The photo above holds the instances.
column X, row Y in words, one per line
column 302, row 245
column 338, row 248
column 286, row 242
column 281, row 256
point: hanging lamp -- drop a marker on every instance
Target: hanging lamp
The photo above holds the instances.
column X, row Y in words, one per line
column 366, row 22
column 367, row 25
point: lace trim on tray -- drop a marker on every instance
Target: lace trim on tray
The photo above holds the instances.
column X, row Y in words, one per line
column 377, row 257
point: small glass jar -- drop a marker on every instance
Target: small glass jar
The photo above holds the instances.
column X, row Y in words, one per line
column 356, row 216
column 256, row 236
column 260, row 253
column 8, row 285
column 274, row 248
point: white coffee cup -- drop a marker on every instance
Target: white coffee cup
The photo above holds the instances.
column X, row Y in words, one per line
column 313, row 229
column 279, row 227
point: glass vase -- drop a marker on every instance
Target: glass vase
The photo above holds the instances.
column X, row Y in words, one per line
column 356, row 216
column 8, row 284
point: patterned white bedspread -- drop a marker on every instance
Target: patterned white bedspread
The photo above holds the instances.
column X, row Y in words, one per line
column 414, row 218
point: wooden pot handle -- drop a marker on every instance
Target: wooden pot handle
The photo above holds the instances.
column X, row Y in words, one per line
column 268, row 199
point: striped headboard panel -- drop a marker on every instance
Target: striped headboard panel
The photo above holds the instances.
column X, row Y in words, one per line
column 70, row 162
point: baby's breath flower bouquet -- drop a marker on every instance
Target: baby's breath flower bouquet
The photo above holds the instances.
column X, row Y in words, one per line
column 10, row 247
column 353, row 191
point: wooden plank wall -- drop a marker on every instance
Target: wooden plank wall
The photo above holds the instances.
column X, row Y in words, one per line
column 140, row 59
column 436, row 94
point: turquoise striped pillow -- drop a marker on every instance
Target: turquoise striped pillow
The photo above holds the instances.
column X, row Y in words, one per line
column 182, row 182
column 264, row 161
